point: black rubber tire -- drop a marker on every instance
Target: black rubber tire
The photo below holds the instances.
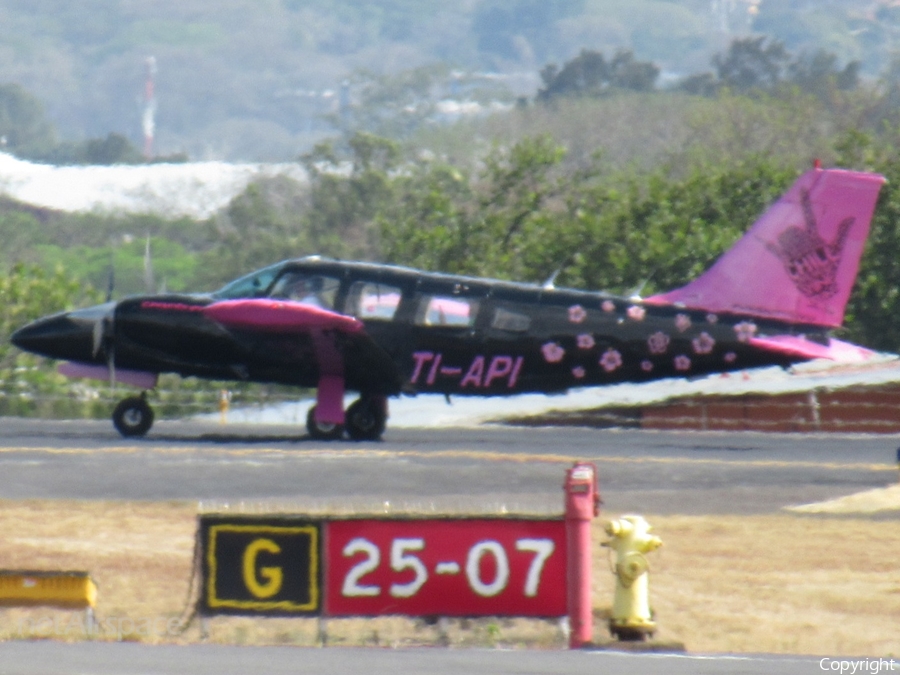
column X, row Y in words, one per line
column 320, row 431
column 133, row 416
column 366, row 419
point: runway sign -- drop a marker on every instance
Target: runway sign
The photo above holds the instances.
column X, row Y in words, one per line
column 472, row 567
column 261, row 566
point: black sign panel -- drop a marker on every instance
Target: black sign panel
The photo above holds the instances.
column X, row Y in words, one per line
column 264, row 566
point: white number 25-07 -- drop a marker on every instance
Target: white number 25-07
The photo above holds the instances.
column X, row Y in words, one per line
column 403, row 558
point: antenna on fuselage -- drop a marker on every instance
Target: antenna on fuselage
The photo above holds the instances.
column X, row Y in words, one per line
column 551, row 280
column 635, row 294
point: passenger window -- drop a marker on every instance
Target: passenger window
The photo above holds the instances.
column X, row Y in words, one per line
column 373, row 301
column 311, row 289
column 505, row 319
column 435, row 310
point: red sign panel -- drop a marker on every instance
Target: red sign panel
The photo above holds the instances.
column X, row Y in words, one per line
column 482, row 567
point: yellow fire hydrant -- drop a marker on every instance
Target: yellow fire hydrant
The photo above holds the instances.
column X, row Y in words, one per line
column 630, row 538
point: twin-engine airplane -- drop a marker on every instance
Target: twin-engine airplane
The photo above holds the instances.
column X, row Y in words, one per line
column 383, row 330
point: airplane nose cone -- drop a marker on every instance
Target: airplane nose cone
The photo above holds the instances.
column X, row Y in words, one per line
column 65, row 336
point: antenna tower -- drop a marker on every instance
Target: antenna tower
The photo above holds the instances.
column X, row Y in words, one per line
column 147, row 120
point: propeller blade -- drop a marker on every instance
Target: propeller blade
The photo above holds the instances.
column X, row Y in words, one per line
column 111, row 365
column 110, row 281
column 97, row 334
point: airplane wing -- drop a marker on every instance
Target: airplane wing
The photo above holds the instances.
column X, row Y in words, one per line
column 283, row 316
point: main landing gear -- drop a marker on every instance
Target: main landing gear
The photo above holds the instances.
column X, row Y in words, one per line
column 364, row 420
column 133, row 416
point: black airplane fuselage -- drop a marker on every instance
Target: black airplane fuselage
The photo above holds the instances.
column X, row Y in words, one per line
column 428, row 332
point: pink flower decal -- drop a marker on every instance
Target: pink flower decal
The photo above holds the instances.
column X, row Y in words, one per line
column 712, row 318
column 553, row 353
column 730, row 357
column 682, row 322
column 578, row 372
column 611, row 360
column 646, row 365
column 682, row 362
column 577, row 314
column 658, row 343
column 704, row 343
column 586, row 341
column 745, row 330
column 636, row 313
column 608, row 306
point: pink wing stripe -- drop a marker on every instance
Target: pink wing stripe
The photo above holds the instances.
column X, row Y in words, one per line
column 282, row 316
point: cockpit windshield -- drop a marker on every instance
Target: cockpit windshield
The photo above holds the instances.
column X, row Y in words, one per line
column 254, row 285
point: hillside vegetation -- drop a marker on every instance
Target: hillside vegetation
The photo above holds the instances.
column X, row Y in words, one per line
column 257, row 80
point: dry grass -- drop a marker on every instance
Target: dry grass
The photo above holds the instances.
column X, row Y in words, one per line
column 779, row 583
column 775, row 583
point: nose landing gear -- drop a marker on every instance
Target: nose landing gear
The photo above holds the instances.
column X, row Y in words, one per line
column 133, row 416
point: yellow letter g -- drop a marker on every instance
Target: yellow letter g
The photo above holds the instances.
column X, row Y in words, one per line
column 271, row 576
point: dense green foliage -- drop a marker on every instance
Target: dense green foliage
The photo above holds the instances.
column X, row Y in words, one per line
column 27, row 384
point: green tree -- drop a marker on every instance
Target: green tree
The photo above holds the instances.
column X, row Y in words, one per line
column 752, row 64
column 489, row 223
column 818, row 74
column 114, row 149
column 24, row 130
column 589, row 74
column 873, row 312
column 260, row 226
column 394, row 105
column 29, row 384
column 349, row 186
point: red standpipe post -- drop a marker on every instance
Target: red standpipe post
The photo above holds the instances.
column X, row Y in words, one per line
column 582, row 504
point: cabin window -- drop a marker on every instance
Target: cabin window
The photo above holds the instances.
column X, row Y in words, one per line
column 505, row 319
column 253, row 285
column 310, row 289
column 438, row 310
column 373, row 301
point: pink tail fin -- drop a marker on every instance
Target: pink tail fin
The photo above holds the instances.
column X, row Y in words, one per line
column 799, row 260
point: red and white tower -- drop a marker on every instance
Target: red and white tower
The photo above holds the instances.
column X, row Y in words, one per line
column 147, row 120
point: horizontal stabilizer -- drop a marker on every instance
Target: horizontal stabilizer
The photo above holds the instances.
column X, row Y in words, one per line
column 799, row 261
column 792, row 345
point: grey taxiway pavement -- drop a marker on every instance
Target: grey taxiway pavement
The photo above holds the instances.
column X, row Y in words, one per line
column 130, row 659
column 491, row 468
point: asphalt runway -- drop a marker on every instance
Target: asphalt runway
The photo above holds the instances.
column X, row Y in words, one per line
column 489, row 469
